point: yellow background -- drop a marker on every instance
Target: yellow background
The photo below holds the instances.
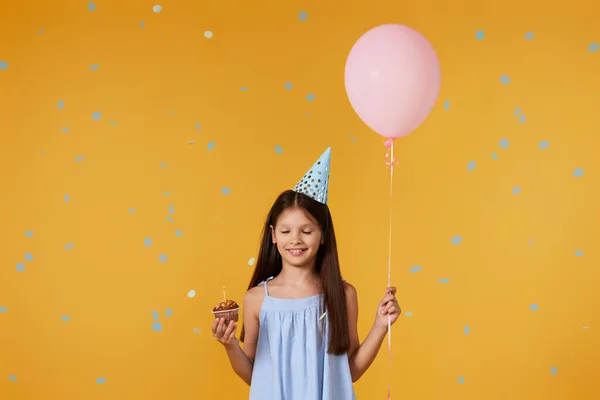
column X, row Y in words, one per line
column 155, row 83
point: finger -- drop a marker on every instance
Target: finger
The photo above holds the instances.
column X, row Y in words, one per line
column 391, row 290
column 221, row 327
column 229, row 329
column 232, row 334
column 385, row 300
column 214, row 326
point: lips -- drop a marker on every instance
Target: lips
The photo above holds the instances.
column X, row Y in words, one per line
column 296, row 252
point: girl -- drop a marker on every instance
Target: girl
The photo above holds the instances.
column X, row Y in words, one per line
column 300, row 318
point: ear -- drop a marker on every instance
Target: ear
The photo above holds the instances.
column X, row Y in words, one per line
column 273, row 239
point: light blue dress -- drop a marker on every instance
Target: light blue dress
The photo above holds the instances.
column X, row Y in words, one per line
column 291, row 361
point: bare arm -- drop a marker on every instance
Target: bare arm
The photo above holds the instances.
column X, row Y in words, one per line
column 362, row 355
column 241, row 360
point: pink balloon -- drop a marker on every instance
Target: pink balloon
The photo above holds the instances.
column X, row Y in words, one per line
column 392, row 79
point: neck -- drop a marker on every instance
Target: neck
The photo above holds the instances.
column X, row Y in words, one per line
column 295, row 276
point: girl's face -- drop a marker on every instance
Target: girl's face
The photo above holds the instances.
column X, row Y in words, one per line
column 297, row 237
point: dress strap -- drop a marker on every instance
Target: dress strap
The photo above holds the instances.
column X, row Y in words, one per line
column 265, row 285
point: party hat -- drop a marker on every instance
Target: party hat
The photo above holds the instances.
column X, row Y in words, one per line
column 315, row 183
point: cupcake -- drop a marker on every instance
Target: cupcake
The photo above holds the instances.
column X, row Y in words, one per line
column 227, row 309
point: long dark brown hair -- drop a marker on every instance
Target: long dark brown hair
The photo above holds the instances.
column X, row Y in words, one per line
column 326, row 265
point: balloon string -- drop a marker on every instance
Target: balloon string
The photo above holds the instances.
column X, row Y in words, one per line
column 390, row 162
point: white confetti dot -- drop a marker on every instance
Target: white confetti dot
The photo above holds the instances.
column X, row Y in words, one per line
column 208, row 34
column 191, row 293
column 251, row 261
column 157, row 8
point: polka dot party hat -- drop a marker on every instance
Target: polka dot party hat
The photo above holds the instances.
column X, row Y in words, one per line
column 315, row 183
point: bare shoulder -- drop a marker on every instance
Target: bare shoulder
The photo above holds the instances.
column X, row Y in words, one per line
column 350, row 291
column 254, row 298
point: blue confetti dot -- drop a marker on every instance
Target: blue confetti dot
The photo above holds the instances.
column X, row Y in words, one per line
column 65, row 318
column 517, row 111
column 494, row 156
column 408, row 313
column 197, row 330
column 529, row 36
column 168, row 313
column 3, row 65
column 131, row 210
column 467, row 329
column 60, row 105
column 504, row 143
column 96, row 116
column 40, row 32
column 113, row 123
column 225, row 190
column 544, row 144
column 65, row 130
column 162, row 164
column 20, row 267
column 3, row 309
column 208, row 34
column 530, row 242
column 353, row 138
column 302, row 15
column 522, row 118
column 479, row 35
column 167, row 193
column 12, row 378
column 100, row 381
column 505, row 79
column 310, row 97
column 171, row 209
column 593, row 47
column 28, row 256
column 578, row 253
column 415, row 269
column 94, row 67
column 447, row 105
column 69, row 246
column 244, row 89
column 178, row 233
column 142, row 25
column 471, row 165
column 156, row 326
column 170, row 219
column 288, row 85
column 534, row 307
column 461, row 380
column 162, row 258
column 157, row 8
column 516, row 190
column 456, row 240
column 67, row 198
column 444, row 280
column 198, row 126
column 148, row 242
column 278, row 149
column 79, row 159
column 91, row 6
column 553, row 370
column 578, row 173
column 155, row 315
column 211, row 145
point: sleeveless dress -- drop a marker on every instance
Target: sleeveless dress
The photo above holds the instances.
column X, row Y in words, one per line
column 291, row 361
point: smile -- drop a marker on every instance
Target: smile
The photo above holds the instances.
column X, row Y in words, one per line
column 296, row 252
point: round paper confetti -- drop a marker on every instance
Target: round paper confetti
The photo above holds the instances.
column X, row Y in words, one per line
column 208, row 34
column 28, row 256
column 310, row 97
column 60, row 105
column 302, row 16
column 534, row 307
column 3, row 65
column 225, row 190
column 65, row 318
column 529, row 36
column 554, row 370
column 12, row 378
column 288, row 86
column 157, row 8
column 504, row 143
column 471, row 165
column 191, row 293
column 593, row 47
column 456, row 240
column 162, row 258
column 148, row 242
column 197, row 330
column 461, row 380
column 467, row 329
column 578, row 253
column 91, row 6
column 96, row 116
column 516, row 190
column 156, row 326
column 20, row 267
column 544, row 144
column 251, row 261
column 3, row 309
column 94, row 67
column 28, row 233
column 505, row 79
column 100, row 381
column 211, row 145
column 69, row 246
column 578, row 173
column 447, row 105
column 278, row 149
column 415, row 269
column 479, row 35
column 169, row 312
column 178, row 233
